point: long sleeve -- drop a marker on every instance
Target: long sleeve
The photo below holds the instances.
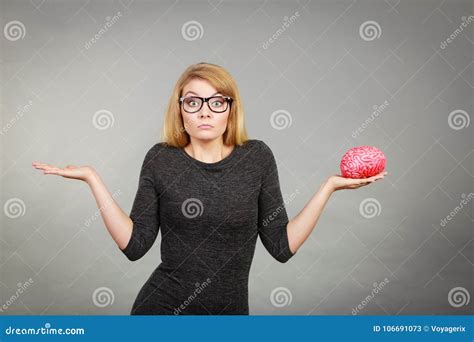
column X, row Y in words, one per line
column 145, row 211
column 272, row 215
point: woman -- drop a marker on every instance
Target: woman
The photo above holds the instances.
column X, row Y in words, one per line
column 211, row 191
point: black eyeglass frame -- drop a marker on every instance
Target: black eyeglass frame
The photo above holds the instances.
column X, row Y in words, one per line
column 228, row 99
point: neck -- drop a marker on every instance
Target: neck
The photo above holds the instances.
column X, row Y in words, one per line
column 208, row 151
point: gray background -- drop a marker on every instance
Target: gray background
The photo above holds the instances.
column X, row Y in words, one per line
column 319, row 70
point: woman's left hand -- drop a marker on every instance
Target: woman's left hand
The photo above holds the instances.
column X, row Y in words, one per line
column 337, row 182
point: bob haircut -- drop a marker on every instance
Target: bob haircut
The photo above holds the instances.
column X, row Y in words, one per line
column 174, row 133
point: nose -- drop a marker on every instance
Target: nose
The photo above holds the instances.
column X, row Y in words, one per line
column 205, row 111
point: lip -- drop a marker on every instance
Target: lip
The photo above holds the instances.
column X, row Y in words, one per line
column 205, row 126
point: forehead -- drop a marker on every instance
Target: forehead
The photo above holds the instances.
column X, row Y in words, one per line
column 200, row 87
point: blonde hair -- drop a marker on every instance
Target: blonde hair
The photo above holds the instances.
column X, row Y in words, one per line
column 173, row 132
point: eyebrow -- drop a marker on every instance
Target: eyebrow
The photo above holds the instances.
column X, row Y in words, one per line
column 197, row 94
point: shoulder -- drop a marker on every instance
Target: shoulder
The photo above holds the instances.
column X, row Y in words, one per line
column 261, row 149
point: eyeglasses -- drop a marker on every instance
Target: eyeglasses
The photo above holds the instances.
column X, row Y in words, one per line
column 217, row 104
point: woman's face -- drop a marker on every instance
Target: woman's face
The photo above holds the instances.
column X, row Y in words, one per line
column 192, row 121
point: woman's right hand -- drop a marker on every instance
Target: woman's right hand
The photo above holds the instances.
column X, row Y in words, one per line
column 84, row 173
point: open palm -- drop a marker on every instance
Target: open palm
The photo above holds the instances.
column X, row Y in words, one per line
column 339, row 183
column 70, row 171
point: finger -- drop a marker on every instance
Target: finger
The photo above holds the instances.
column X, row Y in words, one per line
column 56, row 171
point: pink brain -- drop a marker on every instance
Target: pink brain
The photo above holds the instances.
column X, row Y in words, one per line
column 362, row 162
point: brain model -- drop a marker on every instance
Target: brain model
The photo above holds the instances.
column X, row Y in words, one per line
column 362, row 162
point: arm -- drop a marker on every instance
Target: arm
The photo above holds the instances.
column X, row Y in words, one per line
column 283, row 237
column 117, row 222
column 136, row 234
column 301, row 226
